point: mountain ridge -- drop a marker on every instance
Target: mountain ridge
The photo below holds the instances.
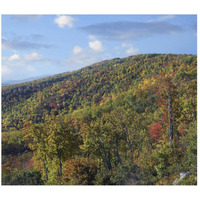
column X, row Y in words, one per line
column 92, row 82
column 122, row 121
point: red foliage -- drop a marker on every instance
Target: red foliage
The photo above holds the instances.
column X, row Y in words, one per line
column 29, row 164
column 161, row 101
column 14, row 162
column 156, row 131
column 53, row 104
column 5, row 169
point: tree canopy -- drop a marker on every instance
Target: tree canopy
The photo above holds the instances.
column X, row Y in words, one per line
column 121, row 121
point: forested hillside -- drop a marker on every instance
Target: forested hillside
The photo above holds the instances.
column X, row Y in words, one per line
column 121, row 121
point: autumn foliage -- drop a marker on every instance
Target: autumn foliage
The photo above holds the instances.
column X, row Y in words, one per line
column 156, row 131
column 122, row 121
column 79, row 171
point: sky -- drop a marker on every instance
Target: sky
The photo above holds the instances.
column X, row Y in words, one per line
column 36, row 45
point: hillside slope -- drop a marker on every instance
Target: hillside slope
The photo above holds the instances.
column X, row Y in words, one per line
column 121, row 121
column 65, row 92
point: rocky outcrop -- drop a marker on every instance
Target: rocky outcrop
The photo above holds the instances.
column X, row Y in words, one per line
column 182, row 175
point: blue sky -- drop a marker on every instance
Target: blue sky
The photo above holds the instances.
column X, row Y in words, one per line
column 34, row 45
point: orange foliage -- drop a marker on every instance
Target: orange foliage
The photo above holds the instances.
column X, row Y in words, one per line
column 79, row 171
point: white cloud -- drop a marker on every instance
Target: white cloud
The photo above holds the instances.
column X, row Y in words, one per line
column 77, row 50
column 5, row 70
column 132, row 51
column 14, row 57
column 96, row 46
column 83, row 59
column 64, row 20
column 26, row 65
column 31, row 57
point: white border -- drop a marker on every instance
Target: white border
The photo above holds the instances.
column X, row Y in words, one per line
column 101, row 7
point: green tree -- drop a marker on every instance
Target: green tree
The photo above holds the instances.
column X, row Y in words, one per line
column 62, row 142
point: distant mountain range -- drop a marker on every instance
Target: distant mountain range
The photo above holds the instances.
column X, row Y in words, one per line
column 13, row 82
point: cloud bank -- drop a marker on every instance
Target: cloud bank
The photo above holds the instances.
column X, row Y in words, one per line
column 129, row 30
column 23, row 44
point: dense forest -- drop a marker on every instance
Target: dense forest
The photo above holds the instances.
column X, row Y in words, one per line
column 125, row 121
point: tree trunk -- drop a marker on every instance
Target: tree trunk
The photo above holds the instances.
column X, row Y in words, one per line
column 170, row 118
column 60, row 166
column 106, row 157
column 45, row 169
column 117, row 150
